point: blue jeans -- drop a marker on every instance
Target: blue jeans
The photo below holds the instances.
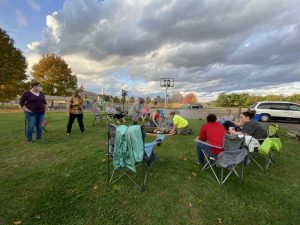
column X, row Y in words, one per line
column 152, row 122
column 34, row 119
column 202, row 147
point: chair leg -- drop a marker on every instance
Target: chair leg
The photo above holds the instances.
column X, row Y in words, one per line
column 253, row 160
column 209, row 165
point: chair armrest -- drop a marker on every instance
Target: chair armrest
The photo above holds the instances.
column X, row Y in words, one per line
column 207, row 144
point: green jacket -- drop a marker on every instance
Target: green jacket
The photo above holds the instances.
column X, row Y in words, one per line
column 129, row 147
column 270, row 144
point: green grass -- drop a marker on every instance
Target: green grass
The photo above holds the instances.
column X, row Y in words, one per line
column 63, row 180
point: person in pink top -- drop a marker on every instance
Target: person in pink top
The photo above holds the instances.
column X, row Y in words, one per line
column 155, row 119
column 213, row 133
column 144, row 113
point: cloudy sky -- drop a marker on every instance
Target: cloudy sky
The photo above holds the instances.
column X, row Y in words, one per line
column 207, row 46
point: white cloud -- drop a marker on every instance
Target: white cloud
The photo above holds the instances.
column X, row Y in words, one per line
column 33, row 5
column 207, row 46
column 21, row 19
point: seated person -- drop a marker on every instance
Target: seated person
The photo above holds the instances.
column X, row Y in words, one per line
column 155, row 119
column 228, row 117
column 250, row 126
column 180, row 125
column 144, row 113
column 236, row 124
column 114, row 113
column 213, row 133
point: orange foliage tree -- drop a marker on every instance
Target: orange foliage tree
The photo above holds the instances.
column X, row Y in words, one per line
column 55, row 75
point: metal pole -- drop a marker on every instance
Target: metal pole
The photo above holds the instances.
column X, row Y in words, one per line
column 166, row 100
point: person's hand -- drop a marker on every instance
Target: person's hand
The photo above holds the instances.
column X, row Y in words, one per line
column 25, row 109
column 231, row 130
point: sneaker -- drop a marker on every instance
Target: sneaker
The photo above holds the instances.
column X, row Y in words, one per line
column 28, row 142
column 68, row 134
column 83, row 132
column 198, row 163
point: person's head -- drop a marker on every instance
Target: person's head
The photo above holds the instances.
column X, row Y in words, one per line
column 228, row 112
column 247, row 116
column 141, row 100
column 238, row 122
column 211, row 118
column 172, row 114
column 76, row 93
column 36, row 86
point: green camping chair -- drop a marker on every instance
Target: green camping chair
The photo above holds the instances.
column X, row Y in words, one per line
column 271, row 145
column 268, row 148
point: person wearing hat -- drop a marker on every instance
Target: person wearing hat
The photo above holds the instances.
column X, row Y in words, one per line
column 135, row 110
column 33, row 103
column 74, row 110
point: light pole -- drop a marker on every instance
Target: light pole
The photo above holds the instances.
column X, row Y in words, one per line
column 166, row 83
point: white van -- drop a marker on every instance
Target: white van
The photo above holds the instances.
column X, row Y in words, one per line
column 272, row 110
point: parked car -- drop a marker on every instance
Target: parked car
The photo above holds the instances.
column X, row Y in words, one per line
column 273, row 110
column 195, row 106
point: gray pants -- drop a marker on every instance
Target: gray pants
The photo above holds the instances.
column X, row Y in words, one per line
column 183, row 130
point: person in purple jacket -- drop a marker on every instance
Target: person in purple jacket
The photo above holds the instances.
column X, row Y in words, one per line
column 33, row 103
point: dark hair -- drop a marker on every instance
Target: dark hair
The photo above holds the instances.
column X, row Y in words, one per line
column 211, row 118
column 34, row 83
column 172, row 113
column 249, row 113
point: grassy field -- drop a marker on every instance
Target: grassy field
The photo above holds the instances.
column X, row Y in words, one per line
column 63, row 180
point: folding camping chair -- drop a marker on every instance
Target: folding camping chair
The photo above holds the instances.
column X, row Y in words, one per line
column 123, row 165
column 233, row 154
column 44, row 124
column 267, row 147
column 97, row 116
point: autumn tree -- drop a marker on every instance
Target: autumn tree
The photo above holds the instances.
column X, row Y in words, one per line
column 116, row 100
column 148, row 100
column 55, row 75
column 177, row 97
column 131, row 99
column 190, row 98
column 12, row 68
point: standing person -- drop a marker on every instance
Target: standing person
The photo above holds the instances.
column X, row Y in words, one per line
column 135, row 110
column 74, row 110
column 213, row 133
column 180, row 125
column 33, row 103
column 144, row 113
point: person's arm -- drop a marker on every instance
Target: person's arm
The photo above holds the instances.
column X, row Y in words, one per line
column 23, row 101
column 202, row 134
column 45, row 102
column 69, row 107
column 174, row 126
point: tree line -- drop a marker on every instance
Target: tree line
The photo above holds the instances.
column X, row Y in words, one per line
column 245, row 99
